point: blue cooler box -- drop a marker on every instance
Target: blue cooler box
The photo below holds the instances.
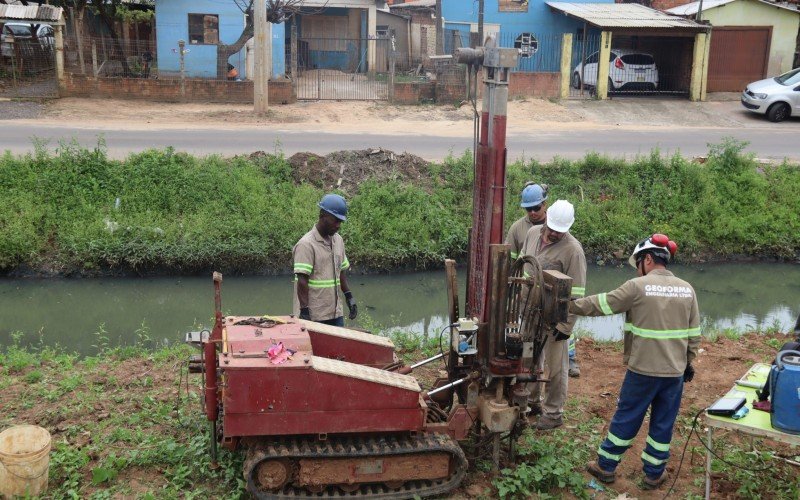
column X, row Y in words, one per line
column 785, row 391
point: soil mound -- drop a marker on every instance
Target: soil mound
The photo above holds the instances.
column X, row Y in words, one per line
column 346, row 170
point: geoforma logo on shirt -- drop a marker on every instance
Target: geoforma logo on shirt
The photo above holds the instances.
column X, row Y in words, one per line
column 681, row 292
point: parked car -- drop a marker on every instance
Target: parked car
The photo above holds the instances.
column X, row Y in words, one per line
column 628, row 70
column 778, row 98
column 23, row 32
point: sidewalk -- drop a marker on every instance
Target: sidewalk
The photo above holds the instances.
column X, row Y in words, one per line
column 524, row 115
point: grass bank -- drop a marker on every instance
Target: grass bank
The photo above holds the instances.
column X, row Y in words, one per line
column 127, row 423
column 76, row 211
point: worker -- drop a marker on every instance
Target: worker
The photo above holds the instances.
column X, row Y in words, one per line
column 662, row 334
column 534, row 201
column 233, row 73
column 319, row 267
column 556, row 249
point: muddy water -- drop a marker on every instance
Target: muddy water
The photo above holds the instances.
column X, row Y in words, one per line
column 81, row 314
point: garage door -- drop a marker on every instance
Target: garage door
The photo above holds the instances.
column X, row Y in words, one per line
column 738, row 56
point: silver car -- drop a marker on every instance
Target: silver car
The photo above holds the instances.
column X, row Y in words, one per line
column 778, row 98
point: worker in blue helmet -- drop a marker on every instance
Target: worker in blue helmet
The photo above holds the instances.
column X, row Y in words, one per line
column 320, row 263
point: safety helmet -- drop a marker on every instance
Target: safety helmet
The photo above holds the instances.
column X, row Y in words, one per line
column 334, row 205
column 658, row 244
column 533, row 194
column 560, row 216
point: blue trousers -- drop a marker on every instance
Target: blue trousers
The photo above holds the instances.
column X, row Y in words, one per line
column 571, row 348
column 640, row 392
column 338, row 321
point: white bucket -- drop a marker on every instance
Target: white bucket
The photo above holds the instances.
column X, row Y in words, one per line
column 24, row 461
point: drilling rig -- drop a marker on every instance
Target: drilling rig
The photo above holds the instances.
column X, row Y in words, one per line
column 324, row 411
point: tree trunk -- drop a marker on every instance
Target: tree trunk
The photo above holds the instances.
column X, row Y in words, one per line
column 225, row 51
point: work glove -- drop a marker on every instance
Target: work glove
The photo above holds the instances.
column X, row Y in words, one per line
column 351, row 304
column 688, row 373
column 559, row 335
column 305, row 313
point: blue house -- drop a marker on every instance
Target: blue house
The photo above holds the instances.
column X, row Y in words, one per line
column 203, row 24
column 527, row 24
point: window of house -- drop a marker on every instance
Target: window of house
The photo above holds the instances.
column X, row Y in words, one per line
column 203, row 29
column 527, row 44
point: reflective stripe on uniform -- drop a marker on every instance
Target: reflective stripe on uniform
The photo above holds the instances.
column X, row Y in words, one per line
column 578, row 291
column 656, row 445
column 627, row 327
column 601, row 298
column 514, row 255
column 300, row 267
column 345, row 264
column 610, row 456
column 322, row 283
column 619, row 441
column 665, row 334
column 651, row 459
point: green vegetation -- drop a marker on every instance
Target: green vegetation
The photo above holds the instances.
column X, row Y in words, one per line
column 77, row 211
column 127, row 422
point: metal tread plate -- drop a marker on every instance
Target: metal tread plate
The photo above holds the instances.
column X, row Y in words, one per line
column 347, row 333
column 367, row 373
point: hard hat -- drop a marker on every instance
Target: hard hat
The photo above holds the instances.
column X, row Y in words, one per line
column 334, row 205
column 560, row 216
column 533, row 194
column 658, row 244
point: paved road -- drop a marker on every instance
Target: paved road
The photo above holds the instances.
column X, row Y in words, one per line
column 777, row 142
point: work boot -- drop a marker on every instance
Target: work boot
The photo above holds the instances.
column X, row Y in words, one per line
column 574, row 369
column 546, row 423
column 650, row 483
column 535, row 411
column 603, row 475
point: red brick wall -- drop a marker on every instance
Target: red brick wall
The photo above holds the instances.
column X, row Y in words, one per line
column 414, row 92
column 169, row 89
column 668, row 4
column 534, row 85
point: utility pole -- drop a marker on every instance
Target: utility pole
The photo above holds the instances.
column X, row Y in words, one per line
column 260, row 81
column 439, row 29
column 699, row 16
column 480, row 23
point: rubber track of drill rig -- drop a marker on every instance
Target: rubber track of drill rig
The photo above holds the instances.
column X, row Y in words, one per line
column 358, row 447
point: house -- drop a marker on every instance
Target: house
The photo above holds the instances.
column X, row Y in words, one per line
column 339, row 35
column 203, row 25
column 750, row 40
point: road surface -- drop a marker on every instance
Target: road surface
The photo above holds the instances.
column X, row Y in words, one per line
column 775, row 143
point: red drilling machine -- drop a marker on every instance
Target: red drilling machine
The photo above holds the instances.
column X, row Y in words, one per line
column 323, row 411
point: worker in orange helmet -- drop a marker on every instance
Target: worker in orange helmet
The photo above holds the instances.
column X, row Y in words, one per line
column 661, row 338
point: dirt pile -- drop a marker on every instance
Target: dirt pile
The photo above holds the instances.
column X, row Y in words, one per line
column 346, row 170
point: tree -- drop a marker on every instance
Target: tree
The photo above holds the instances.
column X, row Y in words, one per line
column 277, row 12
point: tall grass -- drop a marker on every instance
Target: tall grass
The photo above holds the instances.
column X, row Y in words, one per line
column 76, row 210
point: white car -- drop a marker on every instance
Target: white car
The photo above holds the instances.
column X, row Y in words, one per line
column 778, row 98
column 628, row 70
column 23, row 33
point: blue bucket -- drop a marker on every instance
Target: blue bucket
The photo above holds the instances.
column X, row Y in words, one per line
column 785, row 391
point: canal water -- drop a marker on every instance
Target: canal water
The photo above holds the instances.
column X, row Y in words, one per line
column 79, row 314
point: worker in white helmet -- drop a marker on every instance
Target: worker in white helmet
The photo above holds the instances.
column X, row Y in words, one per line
column 556, row 249
column 534, row 201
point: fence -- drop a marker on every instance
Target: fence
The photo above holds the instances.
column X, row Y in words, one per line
column 337, row 68
column 27, row 64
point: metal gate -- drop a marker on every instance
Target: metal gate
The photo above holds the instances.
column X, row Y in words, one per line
column 27, row 66
column 738, row 56
column 636, row 65
column 338, row 69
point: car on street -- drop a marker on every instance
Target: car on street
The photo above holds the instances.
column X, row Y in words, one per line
column 778, row 98
column 23, row 33
column 628, row 70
